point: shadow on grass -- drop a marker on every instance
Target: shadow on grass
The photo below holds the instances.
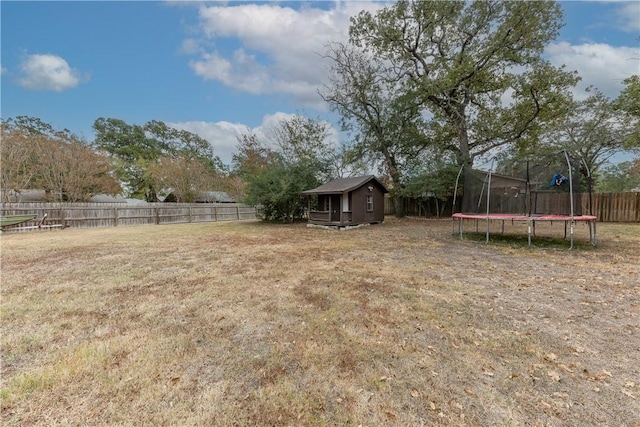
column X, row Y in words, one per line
column 521, row 241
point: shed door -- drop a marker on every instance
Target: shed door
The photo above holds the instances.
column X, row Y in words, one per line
column 336, row 207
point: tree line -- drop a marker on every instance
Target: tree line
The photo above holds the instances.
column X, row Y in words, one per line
column 134, row 160
column 421, row 89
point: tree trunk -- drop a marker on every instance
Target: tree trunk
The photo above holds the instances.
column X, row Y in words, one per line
column 463, row 138
column 395, row 175
column 398, row 204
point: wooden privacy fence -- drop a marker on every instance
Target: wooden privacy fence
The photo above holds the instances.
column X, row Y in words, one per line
column 91, row 215
column 614, row 207
column 607, row 207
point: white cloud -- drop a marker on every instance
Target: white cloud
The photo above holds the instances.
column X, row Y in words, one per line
column 275, row 49
column 242, row 71
column 272, row 48
column 190, row 47
column 223, row 136
column 600, row 65
column 279, row 47
column 48, row 72
column 628, row 16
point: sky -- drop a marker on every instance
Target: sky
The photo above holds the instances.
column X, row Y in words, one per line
column 220, row 69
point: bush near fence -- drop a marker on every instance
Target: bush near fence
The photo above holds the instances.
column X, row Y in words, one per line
column 91, row 215
column 607, row 207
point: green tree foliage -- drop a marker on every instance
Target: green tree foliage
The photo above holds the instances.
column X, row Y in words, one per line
column 629, row 99
column 36, row 156
column 475, row 67
column 132, row 154
column 379, row 110
column 592, row 130
column 277, row 190
column 33, row 126
column 628, row 102
column 298, row 157
column 621, row 177
column 435, row 179
column 303, row 141
column 184, row 144
column 432, row 179
column 136, row 151
column 251, row 155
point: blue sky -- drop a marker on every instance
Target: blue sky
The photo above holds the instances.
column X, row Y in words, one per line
column 221, row 68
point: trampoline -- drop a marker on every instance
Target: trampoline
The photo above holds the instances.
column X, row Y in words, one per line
column 548, row 191
column 569, row 222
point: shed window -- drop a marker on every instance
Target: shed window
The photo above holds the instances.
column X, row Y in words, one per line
column 369, row 202
column 325, row 206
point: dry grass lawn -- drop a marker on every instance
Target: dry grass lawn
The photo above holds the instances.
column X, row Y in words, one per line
column 247, row 324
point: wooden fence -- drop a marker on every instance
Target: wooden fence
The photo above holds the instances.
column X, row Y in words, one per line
column 607, row 207
column 614, row 207
column 91, row 215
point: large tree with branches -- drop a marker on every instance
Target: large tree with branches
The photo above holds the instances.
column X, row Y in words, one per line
column 379, row 111
column 475, row 69
column 138, row 152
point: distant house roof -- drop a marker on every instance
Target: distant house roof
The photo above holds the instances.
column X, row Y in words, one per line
column 505, row 177
column 203, row 197
column 214, row 197
column 136, row 201
column 107, row 198
column 37, row 196
column 27, row 195
column 344, row 185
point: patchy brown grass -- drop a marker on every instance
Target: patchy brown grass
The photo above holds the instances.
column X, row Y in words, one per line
column 252, row 324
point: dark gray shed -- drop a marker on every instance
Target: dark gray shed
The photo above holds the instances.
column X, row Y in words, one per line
column 347, row 201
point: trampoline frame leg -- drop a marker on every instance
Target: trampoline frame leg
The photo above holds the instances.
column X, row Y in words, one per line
column 572, row 225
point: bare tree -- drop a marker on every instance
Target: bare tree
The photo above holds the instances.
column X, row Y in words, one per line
column 71, row 171
column 184, row 177
column 17, row 162
column 34, row 156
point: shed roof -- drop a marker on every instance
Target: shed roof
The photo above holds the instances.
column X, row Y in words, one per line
column 344, row 185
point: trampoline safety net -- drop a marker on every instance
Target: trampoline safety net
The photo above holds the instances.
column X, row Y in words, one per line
column 542, row 186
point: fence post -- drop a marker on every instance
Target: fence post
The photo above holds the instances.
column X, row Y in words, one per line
column 238, row 212
column 157, row 217
column 189, row 213
column 115, row 217
column 215, row 213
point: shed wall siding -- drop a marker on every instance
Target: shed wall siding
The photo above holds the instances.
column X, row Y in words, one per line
column 349, row 207
column 359, row 208
column 378, row 205
column 359, row 199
